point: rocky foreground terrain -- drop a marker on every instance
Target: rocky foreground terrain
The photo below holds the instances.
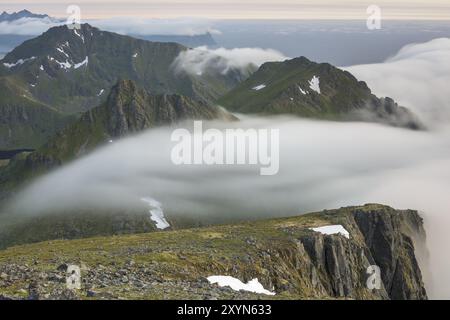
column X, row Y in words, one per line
column 285, row 255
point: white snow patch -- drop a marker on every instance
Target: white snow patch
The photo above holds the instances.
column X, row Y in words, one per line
column 314, row 84
column 63, row 52
column 156, row 213
column 18, row 62
column 82, row 63
column 33, row 85
column 79, row 35
column 101, row 92
column 237, row 285
column 332, row 229
column 41, row 67
column 261, row 86
column 64, row 65
column 302, row 91
column 135, row 55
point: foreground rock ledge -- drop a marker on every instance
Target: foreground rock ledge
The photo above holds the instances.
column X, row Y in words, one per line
column 285, row 255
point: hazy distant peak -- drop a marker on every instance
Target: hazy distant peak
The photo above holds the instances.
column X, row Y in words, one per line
column 5, row 16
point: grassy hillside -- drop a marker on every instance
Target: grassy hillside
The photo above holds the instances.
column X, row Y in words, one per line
column 24, row 121
column 284, row 254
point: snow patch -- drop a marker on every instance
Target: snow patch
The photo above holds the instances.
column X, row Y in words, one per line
column 237, row 285
column 332, row 229
column 63, row 52
column 156, row 213
column 261, row 86
column 79, row 35
column 64, row 65
column 41, row 67
column 135, row 55
column 314, row 84
column 18, row 62
column 82, row 63
column 302, row 91
column 100, row 93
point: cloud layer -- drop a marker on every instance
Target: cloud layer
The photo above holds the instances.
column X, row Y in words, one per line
column 201, row 59
column 417, row 77
column 136, row 26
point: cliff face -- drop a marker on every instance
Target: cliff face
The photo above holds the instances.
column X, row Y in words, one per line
column 286, row 256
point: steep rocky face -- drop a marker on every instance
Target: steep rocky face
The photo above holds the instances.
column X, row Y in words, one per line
column 285, row 255
column 131, row 109
column 389, row 236
column 307, row 89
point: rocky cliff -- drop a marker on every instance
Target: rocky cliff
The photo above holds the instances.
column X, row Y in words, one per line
column 323, row 255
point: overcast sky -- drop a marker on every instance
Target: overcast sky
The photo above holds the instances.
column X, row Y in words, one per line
column 240, row 9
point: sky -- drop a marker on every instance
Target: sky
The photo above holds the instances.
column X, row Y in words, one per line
column 242, row 9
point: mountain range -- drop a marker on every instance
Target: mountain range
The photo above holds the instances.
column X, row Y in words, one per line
column 67, row 71
column 8, row 17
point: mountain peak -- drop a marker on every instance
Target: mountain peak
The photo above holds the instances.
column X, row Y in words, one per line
column 314, row 90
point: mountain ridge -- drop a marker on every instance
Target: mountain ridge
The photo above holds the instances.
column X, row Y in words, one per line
column 127, row 109
column 9, row 17
column 314, row 90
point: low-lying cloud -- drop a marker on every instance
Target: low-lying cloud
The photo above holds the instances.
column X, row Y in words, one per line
column 417, row 77
column 199, row 60
column 133, row 26
column 27, row 26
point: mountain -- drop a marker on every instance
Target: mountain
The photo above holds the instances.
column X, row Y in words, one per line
column 289, row 259
column 128, row 109
column 9, row 17
column 307, row 89
column 186, row 40
column 24, row 121
column 71, row 70
column 68, row 69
